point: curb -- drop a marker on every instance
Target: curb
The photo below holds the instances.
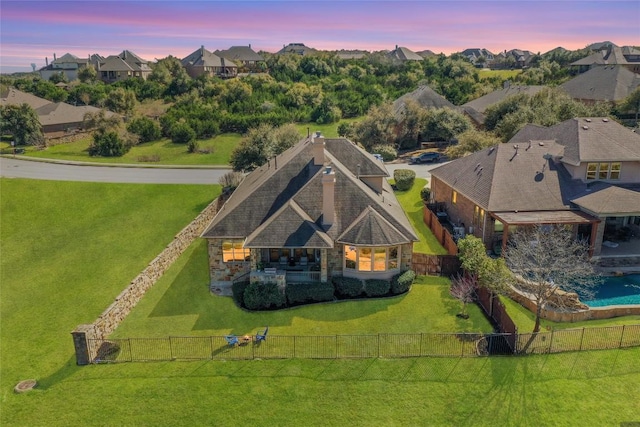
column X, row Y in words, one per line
column 111, row 165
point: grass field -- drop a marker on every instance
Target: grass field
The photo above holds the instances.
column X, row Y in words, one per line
column 69, row 248
column 503, row 74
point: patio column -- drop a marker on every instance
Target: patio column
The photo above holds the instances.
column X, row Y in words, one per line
column 323, row 265
column 505, row 236
column 597, row 231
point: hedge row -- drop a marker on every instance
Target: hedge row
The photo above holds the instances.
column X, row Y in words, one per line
column 260, row 296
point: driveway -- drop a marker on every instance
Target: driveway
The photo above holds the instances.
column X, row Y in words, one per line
column 137, row 174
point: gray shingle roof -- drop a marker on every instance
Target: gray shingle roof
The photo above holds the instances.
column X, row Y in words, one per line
column 125, row 61
column 608, row 83
column 203, row 58
column 587, row 139
column 240, row 53
column 281, row 202
column 610, row 200
column 486, row 101
column 425, row 97
column 608, row 55
column 371, row 229
column 14, row 96
column 404, row 54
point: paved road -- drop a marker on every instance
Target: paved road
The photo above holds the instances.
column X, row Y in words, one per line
column 16, row 168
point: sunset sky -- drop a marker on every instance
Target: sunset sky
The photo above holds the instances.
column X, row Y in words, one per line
column 33, row 30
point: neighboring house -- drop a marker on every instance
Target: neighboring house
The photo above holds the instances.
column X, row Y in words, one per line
column 351, row 54
column 124, row 66
column 514, row 58
column 403, row 54
column 243, row 56
column 54, row 117
column 296, row 49
column 67, row 64
column 202, row 62
column 426, row 53
column 476, row 108
column 626, row 56
column 612, row 83
column 583, row 173
column 320, row 209
column 481, row 58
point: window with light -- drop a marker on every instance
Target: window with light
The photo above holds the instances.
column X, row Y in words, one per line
column 232, row 250
column 371, row 258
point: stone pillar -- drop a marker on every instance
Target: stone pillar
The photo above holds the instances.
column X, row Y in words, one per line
column 85, row 352
column 323, row 265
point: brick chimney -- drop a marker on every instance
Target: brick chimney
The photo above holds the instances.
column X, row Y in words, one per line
column 328, row 196
column 317, row 144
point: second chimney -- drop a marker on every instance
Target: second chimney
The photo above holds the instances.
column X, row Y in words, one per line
column 328, row 196
column 317, row 143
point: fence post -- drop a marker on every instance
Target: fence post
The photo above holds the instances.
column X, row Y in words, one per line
column 294, row 346
column 621, row 337
column 211, row 348
column 170, row 349
column 581, row 338
column 130, row 353
column 551, row 340
column 378, row 345
column 421, row 338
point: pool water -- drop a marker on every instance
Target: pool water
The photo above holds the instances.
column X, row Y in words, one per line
column 616, row 290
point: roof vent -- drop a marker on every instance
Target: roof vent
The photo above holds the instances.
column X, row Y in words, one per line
column 605, row 120
column 587, row 120
column 541, row 144
column 585, row 127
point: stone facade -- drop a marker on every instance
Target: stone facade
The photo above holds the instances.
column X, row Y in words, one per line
column 109, row 320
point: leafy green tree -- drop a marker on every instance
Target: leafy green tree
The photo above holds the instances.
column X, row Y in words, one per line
column 87, row 74
column 121, row 101
column 377, row 128
column 488, row 272
column 22, row 122
column 145, row 128
column 471, row 141
column 60, row 77
column 108, row 144
column 262, row 143
column 181, row 133
column 632, row 103
column 444, row 124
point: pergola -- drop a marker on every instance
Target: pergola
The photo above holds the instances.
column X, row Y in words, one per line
column 567, row 217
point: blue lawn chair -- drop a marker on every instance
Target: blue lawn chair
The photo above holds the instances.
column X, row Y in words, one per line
column 262, row 336
column 232, row 340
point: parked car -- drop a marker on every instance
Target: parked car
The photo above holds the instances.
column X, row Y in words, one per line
column 426, row 157
column 378, row 157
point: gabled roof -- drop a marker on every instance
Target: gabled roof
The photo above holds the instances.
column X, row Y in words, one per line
column 486, row 101
column 426, row 53
column 404, row 54
column 610, row 55
column 371, row 229
column 240, row 53
column 61, row 113
column 587, row 139
column 607, row 83
column 503, row 178
column 475, row 53
column 610, row 200
column 203, row 58
column 425, row 97
column 12, row 96
column 67, row 57
column 125, row 61
column 296, row 48
column 281, row 202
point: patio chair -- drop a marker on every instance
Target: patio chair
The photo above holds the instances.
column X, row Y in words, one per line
column 262, row 336
column 232, row 340
column 304, row 261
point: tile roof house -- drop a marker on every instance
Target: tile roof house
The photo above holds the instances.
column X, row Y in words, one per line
column 610, row 54
column 242, row 56
column 67, row 64
column 322, row 208
column 609, row 83
column 583, row 173
column 123, row 66
column 403, row 54
column 202, row 62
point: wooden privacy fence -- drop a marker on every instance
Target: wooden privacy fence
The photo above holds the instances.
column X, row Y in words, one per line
column 438, row 265
column 439, row 231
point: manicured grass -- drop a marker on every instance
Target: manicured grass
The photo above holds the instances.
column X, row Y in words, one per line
column 412, row 204
column 525, row 319
column 503, row 74
column 168, row 153
column 180, row 305
column 329, row 130
column 68, row 249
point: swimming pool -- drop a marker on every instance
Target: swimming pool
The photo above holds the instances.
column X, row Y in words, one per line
column 616, row 290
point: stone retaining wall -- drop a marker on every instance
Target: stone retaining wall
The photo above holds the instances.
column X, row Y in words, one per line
column 109, row 320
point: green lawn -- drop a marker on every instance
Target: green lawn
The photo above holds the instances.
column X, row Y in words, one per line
column 412, row 204
column 69, row 248
column 503, row 74
column 167, row 152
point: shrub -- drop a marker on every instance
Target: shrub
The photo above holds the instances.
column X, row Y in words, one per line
column 425, row 194
column 400, row 283
column 404, row 179
column 347, row 286
column 387, row 152
column 192, row 146
column 181, row 133
column 376, row 287
column 300, row 293
column 145, row 128
column 107, row 144
column 263, row 296
column 238, row 288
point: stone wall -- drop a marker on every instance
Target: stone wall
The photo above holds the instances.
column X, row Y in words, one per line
column 109, row 320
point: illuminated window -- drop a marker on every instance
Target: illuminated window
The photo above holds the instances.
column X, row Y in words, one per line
column 603, row 171
column 615, row 170
column 232, row 250
column 454, row 197
column 591, row 170
column 371, row 259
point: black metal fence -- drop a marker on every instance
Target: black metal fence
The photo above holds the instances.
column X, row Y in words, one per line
column 362, row 346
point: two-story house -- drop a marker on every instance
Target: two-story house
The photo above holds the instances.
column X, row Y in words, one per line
column 125, row 65
column 583, row 173
column 203, row 62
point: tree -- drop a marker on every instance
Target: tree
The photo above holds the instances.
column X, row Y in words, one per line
column 488, row 272
column 145, row 128
column 463, row 288
column 22, row 122
column 444, row 124
column 632, row 103
column 181, row 133
column 60, row 77
column 121, row 100
column 548, row 260
column 87, row 74
column 377, row 128
column 471, row 141
column 107, row 144
column 262, row 143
